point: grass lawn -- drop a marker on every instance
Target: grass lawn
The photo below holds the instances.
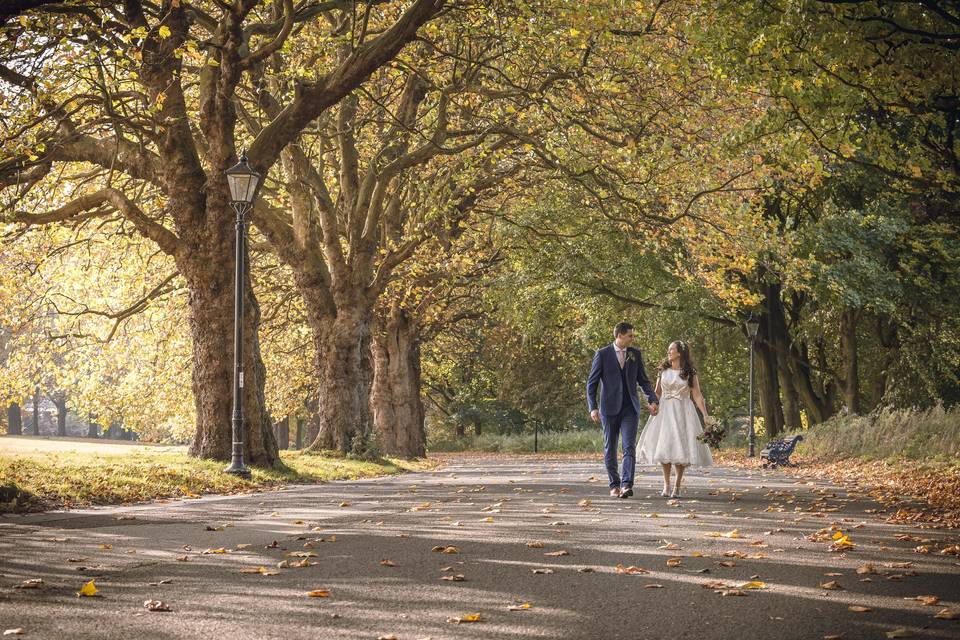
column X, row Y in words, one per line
column 49, row 473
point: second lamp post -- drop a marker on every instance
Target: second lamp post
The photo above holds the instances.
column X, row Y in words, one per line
column 243, row 181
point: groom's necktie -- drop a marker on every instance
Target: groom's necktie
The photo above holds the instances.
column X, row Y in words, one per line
column 621, row 358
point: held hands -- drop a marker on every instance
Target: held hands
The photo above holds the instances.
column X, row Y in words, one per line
column 654, row 408
column 595, row 415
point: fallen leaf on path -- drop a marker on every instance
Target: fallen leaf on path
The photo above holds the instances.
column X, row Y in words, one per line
column 674, row 562
column 88, row 590
column 536, row 544
column 454, row 578
column 32, row 583
column 561, row 552
column 470, row 617
column 387, row 637
column 106, row 546
column 858, row 609
column 900, row 632
column 156, row 605
column 519, row 607
column 387, row 563
column 754, row 584
column 446, row 549
column 729, row 564
column 929, row 601
column 732, row 592
column 653, row 586
column 210, row 551
column 301, row 554
column 241, row 547
column 542, row 571
column 319, row 593
column 947, row 614
column 344, row 504
column 833, row 585
column 585, row 570
column 629, row 571
column 866, row 569
column 182, row 559
column 584, row 503
column 715, row 584
column 670, row 547
column 212, row 528
column 303, row 564
column 14, row 632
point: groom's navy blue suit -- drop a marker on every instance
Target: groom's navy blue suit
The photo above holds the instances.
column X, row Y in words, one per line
column 619, row 407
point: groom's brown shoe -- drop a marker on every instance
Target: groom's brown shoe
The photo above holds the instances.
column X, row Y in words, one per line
column 615, row 492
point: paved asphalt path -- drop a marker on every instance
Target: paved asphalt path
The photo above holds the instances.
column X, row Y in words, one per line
column 489, row 508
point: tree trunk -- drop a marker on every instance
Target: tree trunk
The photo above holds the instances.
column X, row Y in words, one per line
column 888, row 339
column 282, row 430
column 779, row 339
column 61, row 416
column 300, row 429
column 211, row 303
column 93, row 429
column 848, row 347
column 398, row 412
column 768, row 388
column 14, row 420
column 36, row 411
column 344, row 409
column 461, row 429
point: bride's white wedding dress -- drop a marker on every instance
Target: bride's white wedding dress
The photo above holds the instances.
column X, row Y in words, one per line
column 671, row 435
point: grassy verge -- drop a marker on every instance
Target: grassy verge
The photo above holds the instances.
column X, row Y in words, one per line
column 74, row 477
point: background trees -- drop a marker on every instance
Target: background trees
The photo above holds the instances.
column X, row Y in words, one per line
column 460, row 200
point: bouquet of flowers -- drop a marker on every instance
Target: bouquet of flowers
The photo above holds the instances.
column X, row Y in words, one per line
column 713, row 433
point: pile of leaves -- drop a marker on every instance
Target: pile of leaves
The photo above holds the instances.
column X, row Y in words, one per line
column 923, row 493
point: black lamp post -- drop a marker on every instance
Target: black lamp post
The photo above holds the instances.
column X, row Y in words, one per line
column 243, row 181
column 752, row 327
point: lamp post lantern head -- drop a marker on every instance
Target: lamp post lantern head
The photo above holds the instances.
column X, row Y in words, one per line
column 752, row 327
column 243, row 181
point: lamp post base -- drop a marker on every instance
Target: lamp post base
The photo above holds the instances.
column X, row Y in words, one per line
column 237, row 467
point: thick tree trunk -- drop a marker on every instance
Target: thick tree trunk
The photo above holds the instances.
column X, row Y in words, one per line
column 398, row 412
column 36, row 411
column 282, row 431
column 344, row 409
column 93, row 430
column 851, row 371
column 779, row 339
column 61, row 404
column 14, row 420
column 210, row 281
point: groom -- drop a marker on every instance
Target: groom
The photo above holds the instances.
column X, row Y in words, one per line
column 617, row 369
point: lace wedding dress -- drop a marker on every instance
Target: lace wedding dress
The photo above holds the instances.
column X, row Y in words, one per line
column 671, row 435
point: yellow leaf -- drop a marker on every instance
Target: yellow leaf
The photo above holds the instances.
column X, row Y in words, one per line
column 164, row 31
column 319, row 593
column 900, row 632
column 88, row 590
column 209, row 551
column 519, row 607
column 753, row 585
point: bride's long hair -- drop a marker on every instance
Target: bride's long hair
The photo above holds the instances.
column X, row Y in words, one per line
column 687, row 368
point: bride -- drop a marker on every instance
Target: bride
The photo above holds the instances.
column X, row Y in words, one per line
column 670, row 437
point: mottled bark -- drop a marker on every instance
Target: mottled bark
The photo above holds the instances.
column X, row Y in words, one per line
column 344, row 410
column 398, row 412
column 212, row 323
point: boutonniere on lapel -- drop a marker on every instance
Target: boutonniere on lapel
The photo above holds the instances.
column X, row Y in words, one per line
column 631, row 357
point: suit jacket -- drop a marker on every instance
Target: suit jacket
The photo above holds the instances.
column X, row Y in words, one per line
column 605, row 373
